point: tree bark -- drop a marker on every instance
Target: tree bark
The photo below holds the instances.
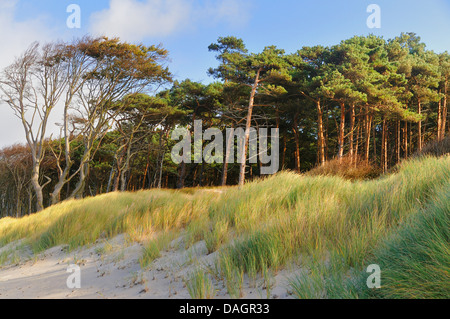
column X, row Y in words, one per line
column 180, row 183
column 444, row 110
column 439, row 120
column 341, row 133
column 37, row 187
column 419, row 136
column 368, row 123
column 81, row 184
column 229, row 142
column 247, row 129
column 358, row 139
column 283, row 157
column 321, row 138
column 398, row 141
column 352, row 128
column 405, row 140
column 297, row 144
column 384, row 146
column 118, row 170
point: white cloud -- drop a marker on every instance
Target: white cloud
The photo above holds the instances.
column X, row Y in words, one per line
column 15, row 38
column 135, row 20
column 235, row 13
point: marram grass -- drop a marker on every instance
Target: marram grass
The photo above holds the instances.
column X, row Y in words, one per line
column 331, row 227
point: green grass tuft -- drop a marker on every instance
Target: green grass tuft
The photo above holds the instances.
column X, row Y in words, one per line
column 200, row 285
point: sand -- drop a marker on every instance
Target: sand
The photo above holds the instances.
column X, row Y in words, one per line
column 111, row 269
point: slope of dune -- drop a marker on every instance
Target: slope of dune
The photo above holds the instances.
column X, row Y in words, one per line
column 287, row 236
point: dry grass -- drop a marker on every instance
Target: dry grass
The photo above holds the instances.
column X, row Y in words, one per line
column 348, row 168
column 435, row 148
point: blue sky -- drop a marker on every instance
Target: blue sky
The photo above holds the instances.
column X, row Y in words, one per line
column 288, row 24
column 187, row 27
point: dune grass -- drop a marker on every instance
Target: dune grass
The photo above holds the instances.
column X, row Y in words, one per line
column 416, row 259
column 82, row 222
column 334, row 228
column 200, row 286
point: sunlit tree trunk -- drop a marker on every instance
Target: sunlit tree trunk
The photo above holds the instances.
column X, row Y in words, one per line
column 321, row 138
column 247, row 129
column 398, row 141
column 444, row 110
column 297, row 144
column 352, row 129
column 419, row 134
column 341, row 133
column 439, row 120
column 368, row 123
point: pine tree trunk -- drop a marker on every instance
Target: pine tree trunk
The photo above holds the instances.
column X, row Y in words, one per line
column 386, row 150
column 321, row 138
column 374, row 133
column 419, row 138
column 398, row 141
column 202, row 170
column 383, row 144
column 341, row 133
column 247, row 130
column 410, row 138
column 229, row 142
column 224, row 173
column 283, row 157
column 405, row 140
column 368, row 123
column 180, row 183
column 145, row 175
column 352, row 128
column 297, row 144
column 439, row 120
column 161, row 166
column 358, row 139
column 444, row 110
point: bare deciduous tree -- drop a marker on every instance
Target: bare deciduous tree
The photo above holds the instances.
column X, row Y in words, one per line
column 32, row 87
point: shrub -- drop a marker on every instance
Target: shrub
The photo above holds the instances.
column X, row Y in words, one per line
column 435, row 148
column 347, row 167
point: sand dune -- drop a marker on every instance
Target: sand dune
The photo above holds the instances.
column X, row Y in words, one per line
column 117, row 273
